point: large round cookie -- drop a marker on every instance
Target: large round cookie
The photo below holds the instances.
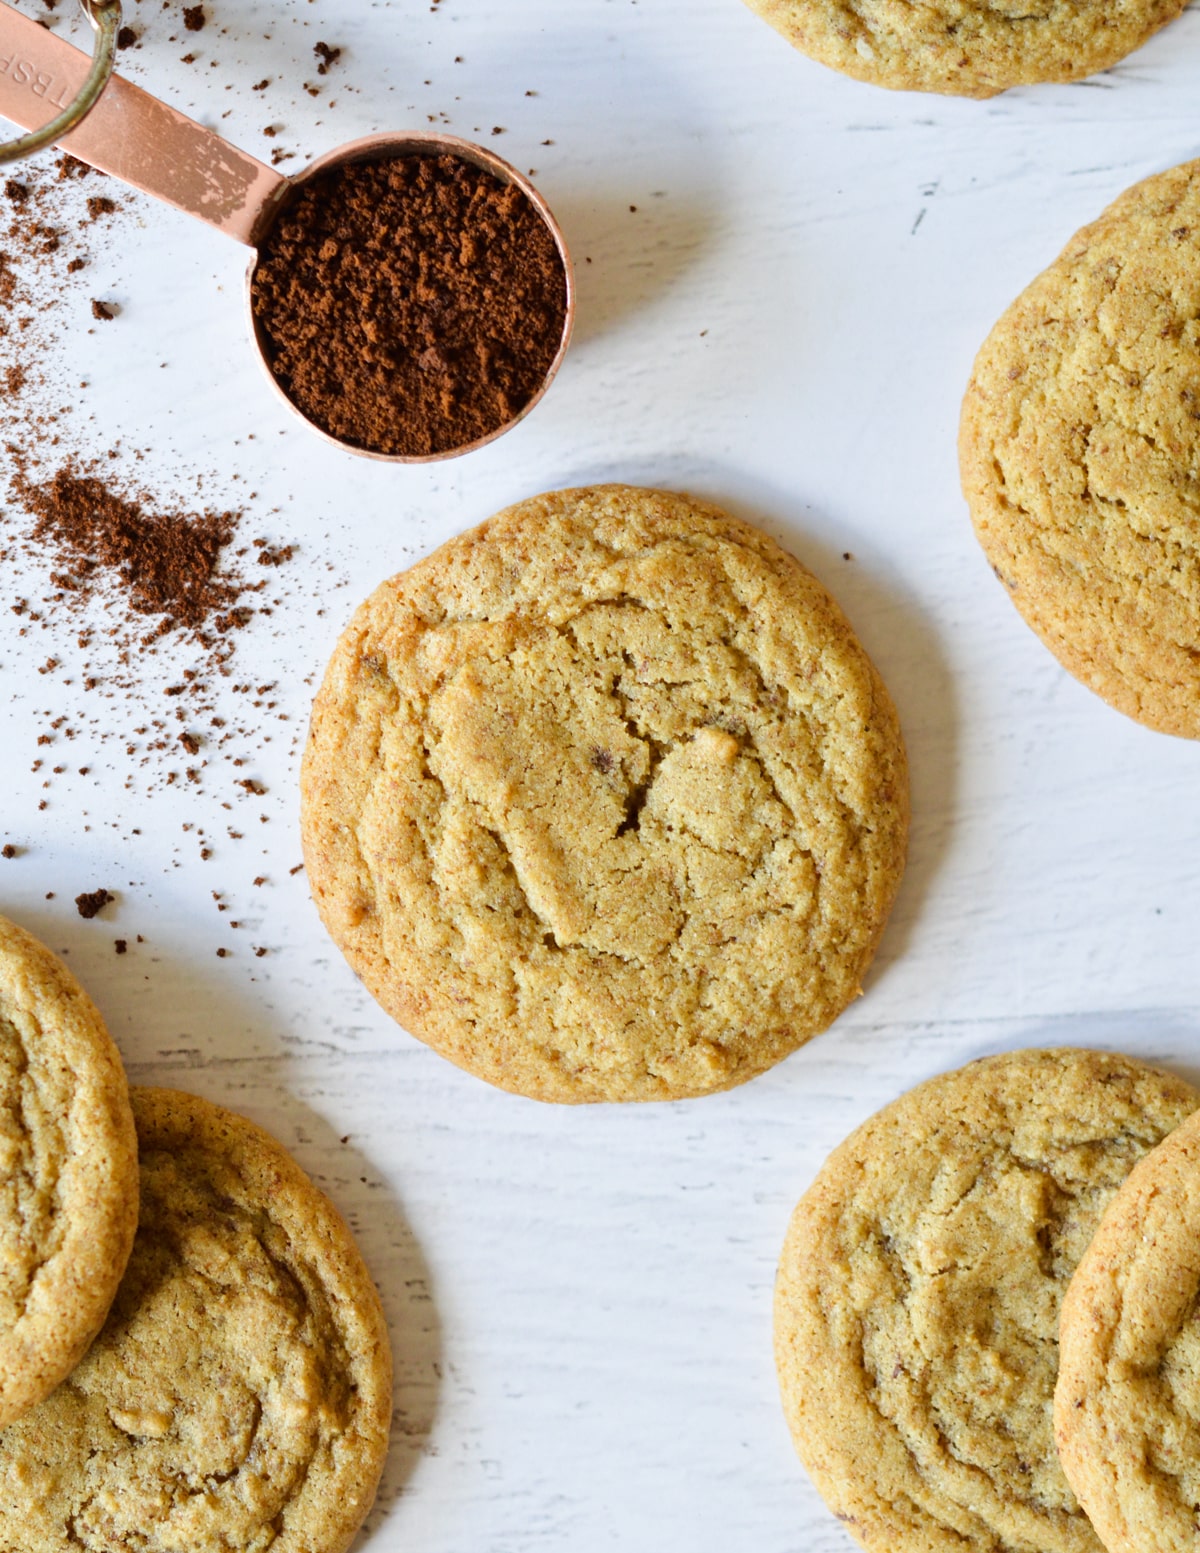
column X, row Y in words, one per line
column 1127, row 1407
column 68, row 1171
column 918, row 1297
column 239, row 1395
column 604, row 800
column 1080, row 452
column 971, row 48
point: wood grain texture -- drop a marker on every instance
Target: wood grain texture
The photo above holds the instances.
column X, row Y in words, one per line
column 580, row 1303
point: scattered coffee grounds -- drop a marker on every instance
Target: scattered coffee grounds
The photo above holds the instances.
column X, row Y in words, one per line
column 142, row 626
column 121, row 611
column 193, row 17
column 410, row 306
column 126, row 38
column 92, row 902
column 102, row 310
column 328, row 55
column 109, row 558
column 167, row 562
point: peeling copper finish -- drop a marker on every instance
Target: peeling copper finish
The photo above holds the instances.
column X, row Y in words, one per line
column 131, row 134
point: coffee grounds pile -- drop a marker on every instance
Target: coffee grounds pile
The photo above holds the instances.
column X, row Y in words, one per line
column 410, row 306
column 167, row 562
column 107, row 543
column 138, row 604
column 146, row 650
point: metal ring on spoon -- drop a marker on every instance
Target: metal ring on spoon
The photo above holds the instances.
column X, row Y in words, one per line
column 125, row 131
column 105, row 17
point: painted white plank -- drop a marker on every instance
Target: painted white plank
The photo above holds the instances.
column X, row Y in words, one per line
column 580, row 1300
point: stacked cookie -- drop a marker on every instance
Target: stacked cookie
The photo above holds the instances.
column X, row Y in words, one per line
column 239, row 1391
column 918, row 1311
column 1128, row 1395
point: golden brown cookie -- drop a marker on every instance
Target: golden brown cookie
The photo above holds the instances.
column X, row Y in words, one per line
column 239, row 1395
column 68, row 1171
column 1080, row 452
column 604, row 800
column 1127, row 1405
column 917, row 1304
column 971, row 48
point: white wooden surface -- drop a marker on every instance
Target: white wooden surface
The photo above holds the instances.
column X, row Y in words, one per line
column 580, row 1299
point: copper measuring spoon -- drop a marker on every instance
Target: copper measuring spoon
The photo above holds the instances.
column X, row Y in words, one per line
column 153, row 147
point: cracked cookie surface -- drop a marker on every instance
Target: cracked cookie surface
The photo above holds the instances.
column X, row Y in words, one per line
column 239, row 1395
column 1127, row 1406
column 968, row 48
column 917, row 1304
column 68, row 1171
column 604, row 801
column 1080, row 453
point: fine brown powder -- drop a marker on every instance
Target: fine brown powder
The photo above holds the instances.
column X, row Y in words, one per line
column 167, row 562
column 123, row 604
column 410, row 306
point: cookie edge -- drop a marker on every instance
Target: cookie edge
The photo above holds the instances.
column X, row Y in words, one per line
column 816, row 44
column 1093, row 671
column 89, row 1264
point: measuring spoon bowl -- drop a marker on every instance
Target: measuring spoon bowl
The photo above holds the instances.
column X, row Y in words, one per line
column 386, row 148
column 145, row 143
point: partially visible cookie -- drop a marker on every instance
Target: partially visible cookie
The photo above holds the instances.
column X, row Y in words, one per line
column 1127, row 1407
column 1080, row 453
column 918, row 1296
column 239, row 1395
column 970, row 48
column 68, row 1171
column 604, row 800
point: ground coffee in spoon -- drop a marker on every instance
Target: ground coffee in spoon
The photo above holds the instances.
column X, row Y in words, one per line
column 410, row 306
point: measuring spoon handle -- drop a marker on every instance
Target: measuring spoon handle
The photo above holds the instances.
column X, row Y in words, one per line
column 132, row 135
